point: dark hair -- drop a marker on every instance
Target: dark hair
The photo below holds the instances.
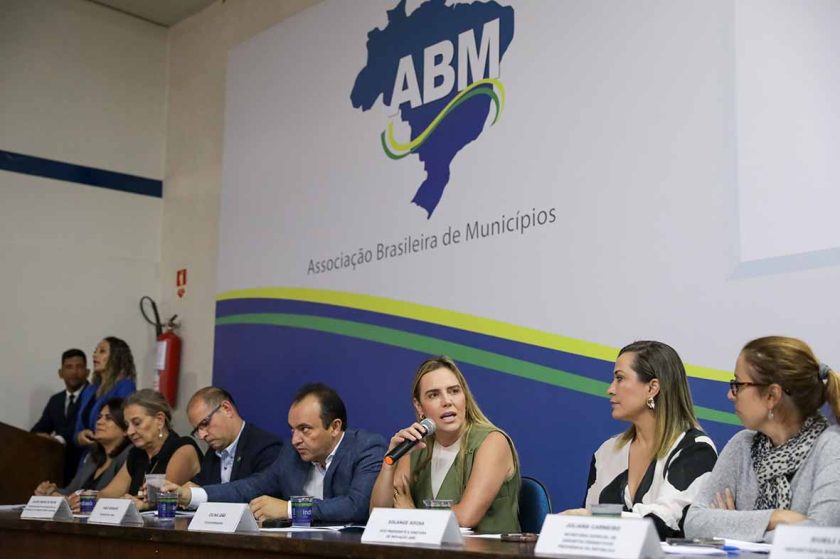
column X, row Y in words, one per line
column 673, row 406
column 70, row 353
column 791, row 364
column 332, row 407
column 120, row 365
column 115, row 408
column 153, row 402
column 120, row 360
column 212, row 396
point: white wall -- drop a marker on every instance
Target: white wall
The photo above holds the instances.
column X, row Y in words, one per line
column 788, row 126
column 82, row 84
column 198, row 54
column 85, row 85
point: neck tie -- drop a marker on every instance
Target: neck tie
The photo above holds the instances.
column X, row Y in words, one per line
column 70, row 403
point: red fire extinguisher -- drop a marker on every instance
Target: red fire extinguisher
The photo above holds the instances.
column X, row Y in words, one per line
column 168, row 361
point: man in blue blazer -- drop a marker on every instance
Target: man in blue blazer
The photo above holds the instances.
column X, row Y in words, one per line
column 236, row 449
column 59, row 417
column 336, row 465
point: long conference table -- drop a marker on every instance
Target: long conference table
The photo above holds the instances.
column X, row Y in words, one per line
column 23, row 539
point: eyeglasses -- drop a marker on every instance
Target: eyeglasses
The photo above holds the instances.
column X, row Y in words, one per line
column 735, row 386
column 204, row 423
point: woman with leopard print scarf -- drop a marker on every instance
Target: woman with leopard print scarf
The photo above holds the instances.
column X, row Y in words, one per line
column 785, row 467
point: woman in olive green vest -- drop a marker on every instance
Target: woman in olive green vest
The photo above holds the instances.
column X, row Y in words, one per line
column 468, row 460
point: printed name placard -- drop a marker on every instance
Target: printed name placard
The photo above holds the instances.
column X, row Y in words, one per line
column 227, row 518
column 115, row 511
column 413, row 526
column 593, row 536
column 47, row 508
column 805, row 542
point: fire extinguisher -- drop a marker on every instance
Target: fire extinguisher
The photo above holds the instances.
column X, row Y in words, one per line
column 168, row 361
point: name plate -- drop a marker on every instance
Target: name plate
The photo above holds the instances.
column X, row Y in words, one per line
column 227, row 518
column 413, row 526
column 593, row 536
column 47, row 508
column 116, row 512
column 805, row 542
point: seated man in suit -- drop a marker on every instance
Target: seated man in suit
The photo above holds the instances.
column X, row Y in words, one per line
column 326, row 460
column 237, row 449
column 59, row 417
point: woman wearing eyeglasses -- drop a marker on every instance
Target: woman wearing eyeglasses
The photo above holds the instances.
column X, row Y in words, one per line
column 785, row 467
column 157, row 448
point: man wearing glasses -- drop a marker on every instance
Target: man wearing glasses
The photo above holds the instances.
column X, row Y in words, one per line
column 237, row 449
column 335, row 465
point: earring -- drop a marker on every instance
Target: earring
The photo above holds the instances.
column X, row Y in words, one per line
column 160, row 433
column 770, row 414
column 651, row 403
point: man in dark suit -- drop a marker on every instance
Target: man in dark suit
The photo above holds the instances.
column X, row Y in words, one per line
column 59, row 416
column 326, row 460
column 237, row 449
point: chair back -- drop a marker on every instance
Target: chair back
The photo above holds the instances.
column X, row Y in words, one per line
column 534, row 504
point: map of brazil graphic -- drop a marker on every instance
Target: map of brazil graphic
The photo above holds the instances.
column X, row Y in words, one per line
column 438, row 69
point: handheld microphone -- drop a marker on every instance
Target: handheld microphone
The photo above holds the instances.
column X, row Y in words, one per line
column 405, row 446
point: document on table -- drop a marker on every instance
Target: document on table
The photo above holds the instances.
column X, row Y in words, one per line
column 755, row 547
column 7, row 508
column 692, row 549
column 304, row 529
column 729, row 546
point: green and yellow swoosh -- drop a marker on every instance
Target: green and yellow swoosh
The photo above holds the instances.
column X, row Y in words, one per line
column 398, row 150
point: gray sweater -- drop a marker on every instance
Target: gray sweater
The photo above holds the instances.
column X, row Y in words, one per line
column 815, row 491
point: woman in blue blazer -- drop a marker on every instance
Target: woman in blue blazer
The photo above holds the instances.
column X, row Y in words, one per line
column 114, row 376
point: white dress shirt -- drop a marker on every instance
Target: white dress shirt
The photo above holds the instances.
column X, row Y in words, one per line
column 226, row 456
column 314, row 486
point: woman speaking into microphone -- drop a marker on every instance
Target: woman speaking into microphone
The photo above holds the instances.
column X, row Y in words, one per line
column 466, row 460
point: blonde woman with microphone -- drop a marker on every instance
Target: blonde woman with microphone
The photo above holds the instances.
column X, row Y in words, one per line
column 467, row 460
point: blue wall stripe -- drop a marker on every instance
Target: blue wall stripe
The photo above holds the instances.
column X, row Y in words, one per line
column 40, row 167
column 708, row 393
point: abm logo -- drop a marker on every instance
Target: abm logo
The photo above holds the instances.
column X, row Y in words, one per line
column 438, row 69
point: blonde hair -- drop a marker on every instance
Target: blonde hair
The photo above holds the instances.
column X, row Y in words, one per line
column 152, row 403
column 674, row 410
column 473, row 415
column 791, row 364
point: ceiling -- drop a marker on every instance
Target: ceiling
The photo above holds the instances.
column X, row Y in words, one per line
column 162, row 12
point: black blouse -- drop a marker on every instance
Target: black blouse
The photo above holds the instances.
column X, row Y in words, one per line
column 139, row 464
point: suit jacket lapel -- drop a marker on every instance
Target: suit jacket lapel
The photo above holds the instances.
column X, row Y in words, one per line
column 240, row 450
column 299, row 473
column 340, row 455
column 215, row 475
